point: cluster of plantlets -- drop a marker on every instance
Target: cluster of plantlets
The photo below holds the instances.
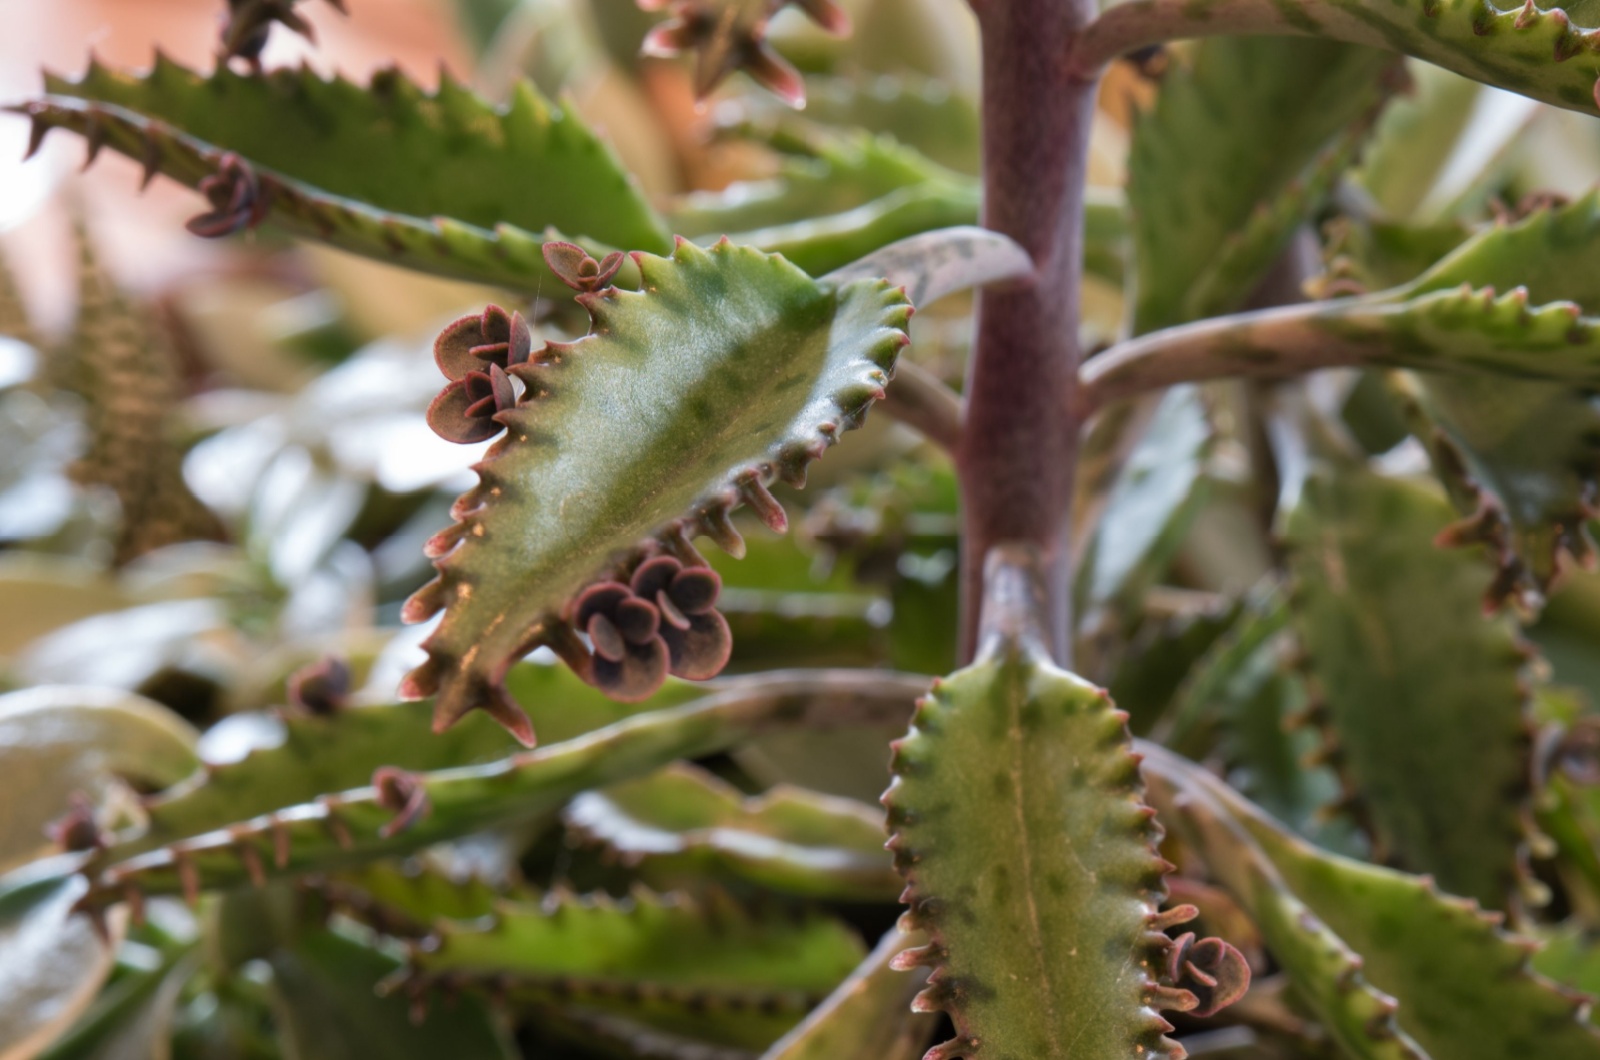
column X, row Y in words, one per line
column 1253, row 539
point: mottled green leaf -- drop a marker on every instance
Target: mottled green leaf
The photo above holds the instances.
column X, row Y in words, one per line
column 341, row 829
column 728, row 370
column 1423, row 695
column 1017, row 820
column 1239, row 147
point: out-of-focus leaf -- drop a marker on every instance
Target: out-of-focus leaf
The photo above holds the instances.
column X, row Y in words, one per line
column 869, row 1015
column 329, row 1008
column 53, row 960
column 665, row 960
column 683, row 825
column 57, row 740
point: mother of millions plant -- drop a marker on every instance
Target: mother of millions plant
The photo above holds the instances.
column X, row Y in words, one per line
column 1299, row 509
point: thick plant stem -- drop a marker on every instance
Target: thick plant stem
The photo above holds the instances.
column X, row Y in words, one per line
column 1018, row 448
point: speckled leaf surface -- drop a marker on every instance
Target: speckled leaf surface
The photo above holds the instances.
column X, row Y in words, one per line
column 729, row 366
column 1017, row 820
column 1231, row 139
column 1423, row 694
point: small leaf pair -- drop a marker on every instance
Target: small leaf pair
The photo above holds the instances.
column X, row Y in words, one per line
column 729, row 35
column 663, row 621
column 475, row 354
column 239, row 200
column 244, row 35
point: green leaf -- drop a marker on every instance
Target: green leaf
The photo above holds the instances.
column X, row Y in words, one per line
column 1526, row 461
column 320, row 755
column 869, row 1015
column 132, row 1018
column 1569, row 956
column 1462, row 983
column 838, row 173
column 341, row 829
column 54, row 961
column 1458, row 985
column 923, row 113
column 445, row 183
column 665, row 960
column 1016, row 818
column 328, row 1009
column 1424, row 697
column 729, row 369
column 683, row 825
column 1238, row 149
column 1155, row 497
column 57, row 740
column 1536, row 51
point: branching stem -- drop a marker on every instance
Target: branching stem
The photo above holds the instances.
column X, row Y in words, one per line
column 1265, row 344
column 919, row 400
column 1018, row 449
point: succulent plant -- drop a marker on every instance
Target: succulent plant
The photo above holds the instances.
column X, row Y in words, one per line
column 1211, row 601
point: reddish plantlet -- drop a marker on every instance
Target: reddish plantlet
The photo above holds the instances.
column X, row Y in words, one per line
column 476, row 341
column 239, row 200
column 405, row 794
column 249, row 23
column 467, row 409
column 321, row 688
column 1210, row 969
column 77, row 829
column 574, row 266
column 696, row 635
column 630, row 659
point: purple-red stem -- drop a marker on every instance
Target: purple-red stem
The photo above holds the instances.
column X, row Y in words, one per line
column 1019, row 444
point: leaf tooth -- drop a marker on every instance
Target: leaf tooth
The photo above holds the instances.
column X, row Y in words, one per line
column 423, row 680
column 761, row 501
column 427, row 601
column 445, row 541
column 716, row 522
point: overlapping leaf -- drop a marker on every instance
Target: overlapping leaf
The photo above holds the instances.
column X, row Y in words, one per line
column 1016, row 818
column 1547, row 53
column 444, row 183
column 1424, row 700
column 1237, row 151
column 728, row 370
column 685, row 965
column 683, row 825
